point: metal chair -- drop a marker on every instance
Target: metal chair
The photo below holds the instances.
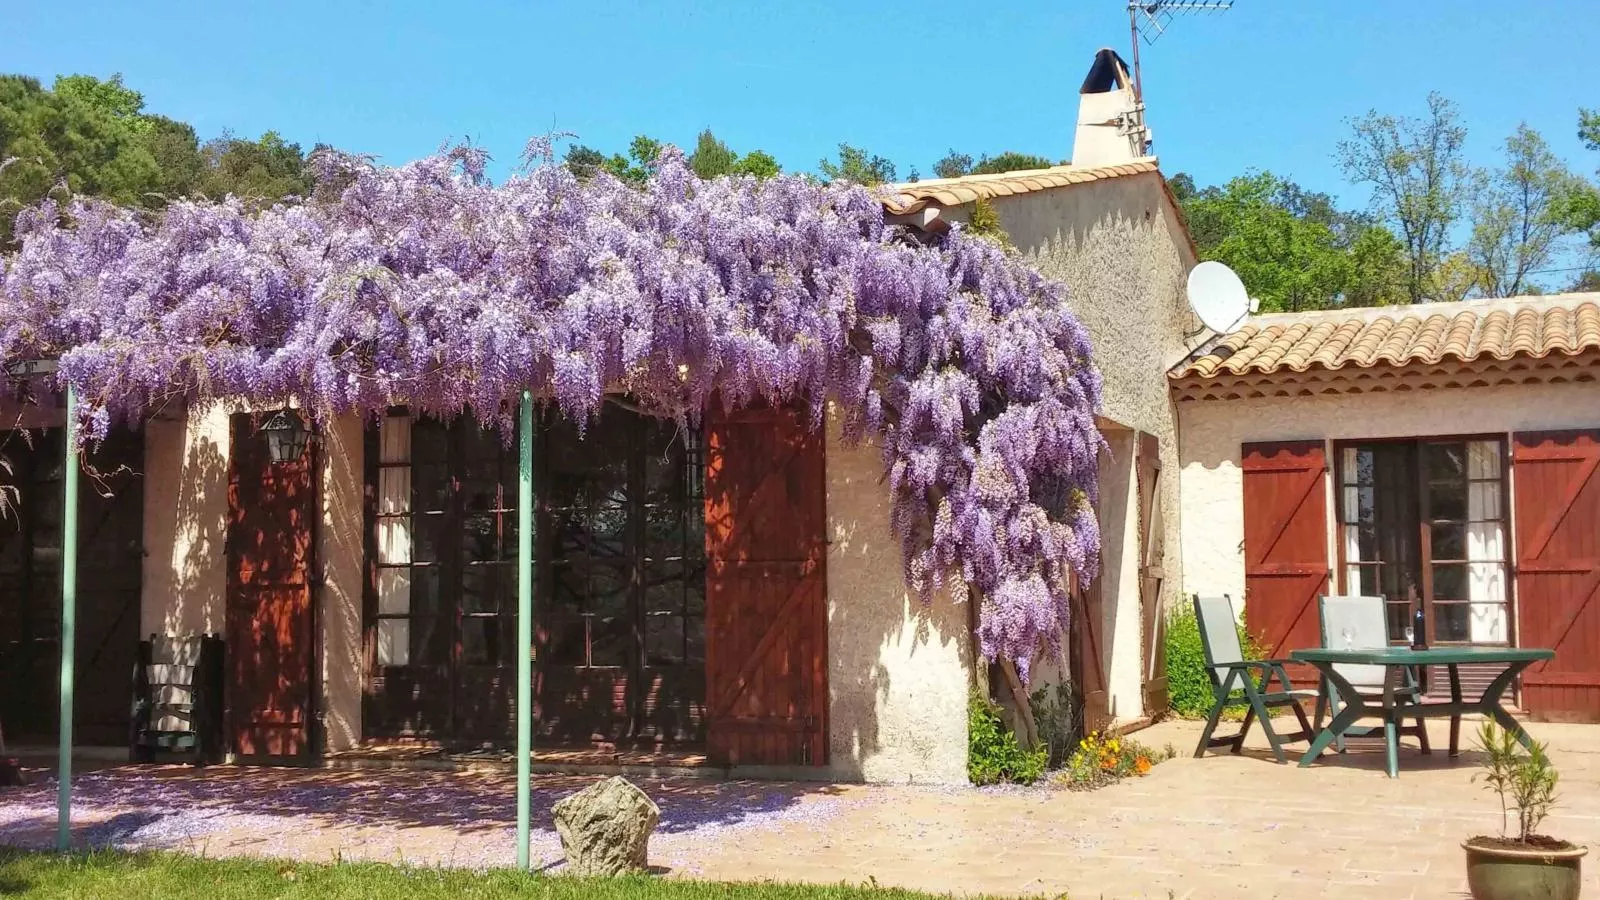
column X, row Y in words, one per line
column 1230, row 672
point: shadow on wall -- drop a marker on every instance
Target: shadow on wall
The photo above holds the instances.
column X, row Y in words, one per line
column 188, row 479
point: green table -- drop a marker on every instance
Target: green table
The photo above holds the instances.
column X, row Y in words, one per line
column 1395, row 660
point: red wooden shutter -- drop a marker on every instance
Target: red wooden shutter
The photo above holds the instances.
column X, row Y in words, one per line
column 1087, row 665
column 1152, row 555
column 1285, row 543
column 1557, row 506
column 766, row 591
column 269, row 628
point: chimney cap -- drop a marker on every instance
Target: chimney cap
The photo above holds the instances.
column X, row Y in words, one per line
column 1108, row 73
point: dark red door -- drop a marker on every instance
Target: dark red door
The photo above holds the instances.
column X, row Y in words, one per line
column 1285, row 544
column 269, row 628
column 766, row 591
column 1557, row 504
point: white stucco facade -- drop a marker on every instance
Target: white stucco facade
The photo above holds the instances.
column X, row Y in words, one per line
column 1213, row 431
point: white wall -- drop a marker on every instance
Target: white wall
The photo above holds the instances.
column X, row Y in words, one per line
column 898, row 671
column 1213, row 430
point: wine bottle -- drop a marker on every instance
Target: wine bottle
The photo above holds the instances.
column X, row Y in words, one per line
column 1419, row 635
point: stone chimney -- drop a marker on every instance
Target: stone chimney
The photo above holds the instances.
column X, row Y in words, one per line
column 1111, row 125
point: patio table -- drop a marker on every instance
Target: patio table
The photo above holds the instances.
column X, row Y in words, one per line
column 1395, row 660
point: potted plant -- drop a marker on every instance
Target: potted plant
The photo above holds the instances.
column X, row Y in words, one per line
column 1530, row 865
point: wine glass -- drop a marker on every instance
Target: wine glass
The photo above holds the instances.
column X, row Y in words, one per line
column 1411, row 635
column 1349, row 636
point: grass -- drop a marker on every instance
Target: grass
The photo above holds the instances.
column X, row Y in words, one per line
column 175, row 877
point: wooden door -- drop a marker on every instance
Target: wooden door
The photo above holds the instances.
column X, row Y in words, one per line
column 766, row 591
column 269, row 628
column 1152, row 556
column 110, row 529
column 1557, row 506
column 1285, row 544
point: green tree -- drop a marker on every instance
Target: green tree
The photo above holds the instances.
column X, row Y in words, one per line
column 857, row 165
column 1516, row 219
column 265, row 170
column 1580, row 209
column 1293, row 248
column 758, row 163
column 1010, row 161
column 1415, row 170
column 711, row 157
column 110, row 97
column 953, row 165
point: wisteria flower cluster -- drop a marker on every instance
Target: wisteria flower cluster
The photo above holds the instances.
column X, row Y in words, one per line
column 429, row 285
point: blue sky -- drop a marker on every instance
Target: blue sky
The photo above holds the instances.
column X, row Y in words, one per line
column 1266, row 85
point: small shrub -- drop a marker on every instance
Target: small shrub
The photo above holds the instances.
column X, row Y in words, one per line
column 1524, row 780
column 1100, row 760
column 993, row 754
column 1058, row 714
column 1188, row 685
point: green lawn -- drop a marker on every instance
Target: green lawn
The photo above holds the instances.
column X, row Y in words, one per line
column 131, row 876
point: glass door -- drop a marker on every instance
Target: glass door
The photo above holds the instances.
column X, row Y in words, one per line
column 1422, row 523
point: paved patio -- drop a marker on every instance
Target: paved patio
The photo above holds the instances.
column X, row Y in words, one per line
column 1220, row 827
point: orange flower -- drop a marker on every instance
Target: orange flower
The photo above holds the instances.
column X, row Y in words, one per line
column 1142, row 765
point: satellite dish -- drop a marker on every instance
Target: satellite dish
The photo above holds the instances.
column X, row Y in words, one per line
column 1218, row 297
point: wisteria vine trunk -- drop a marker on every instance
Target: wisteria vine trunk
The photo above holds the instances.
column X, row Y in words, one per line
column 429, row 285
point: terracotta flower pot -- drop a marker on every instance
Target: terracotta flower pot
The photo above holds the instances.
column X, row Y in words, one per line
column 1497, row 872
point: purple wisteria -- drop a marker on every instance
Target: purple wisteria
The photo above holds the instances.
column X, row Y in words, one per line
column 430, row 286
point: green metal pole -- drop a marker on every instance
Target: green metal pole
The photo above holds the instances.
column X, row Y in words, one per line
column 69, row 620
column 524, row 624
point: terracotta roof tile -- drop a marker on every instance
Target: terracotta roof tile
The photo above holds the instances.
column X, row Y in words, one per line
column 901, row 199
column 1428, row 333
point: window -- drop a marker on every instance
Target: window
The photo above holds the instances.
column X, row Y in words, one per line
column 1423, row 525
column 619, row 577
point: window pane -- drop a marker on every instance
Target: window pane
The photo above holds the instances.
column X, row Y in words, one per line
column 1486, row 542
column 1445, row 461
column 1486, row 582
column 484, row 588
column 430, row 486
column 1362, row 580
column 394, row 642
column 394, row 440
column 611, row 637
column 480, row 640
column 1351, row 504
column 1449, row 540
column 394, row 591
column 394, row 540
column 1349, row 466
column 1483, row 501
column 1450, row 582
column 1399, row 620
column 663, row 588
column 566, row 644
column 424, row 589
column 1483, row 459
column 697, row 639
column 569, row 584
column 1488, row 624
column 663, row 640
column 664, row 533
column 1451, row 622
column 428, row 534
column 430, row 441
column 1447, row 500
column 480, row 538
column 430, row 640
column 394, row 490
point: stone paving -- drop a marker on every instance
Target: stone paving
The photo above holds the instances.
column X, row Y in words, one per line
column 1221, row 827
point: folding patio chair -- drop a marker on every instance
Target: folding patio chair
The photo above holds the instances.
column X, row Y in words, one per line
column 1358, row 623
column 1230, row 672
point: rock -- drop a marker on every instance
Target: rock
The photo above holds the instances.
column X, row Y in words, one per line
column 605, row 828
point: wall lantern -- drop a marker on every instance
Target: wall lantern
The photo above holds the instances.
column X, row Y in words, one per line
column 286, row 436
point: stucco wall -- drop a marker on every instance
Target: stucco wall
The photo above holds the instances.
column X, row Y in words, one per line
column 1213, row 501
column 185, row 562
column 1119, row 247
column 898, row 672
column 185, row 523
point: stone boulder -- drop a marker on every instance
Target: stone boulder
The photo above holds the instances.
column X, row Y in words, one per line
column 605, row 828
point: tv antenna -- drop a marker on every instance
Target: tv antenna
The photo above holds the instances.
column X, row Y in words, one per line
column 1148, row 19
